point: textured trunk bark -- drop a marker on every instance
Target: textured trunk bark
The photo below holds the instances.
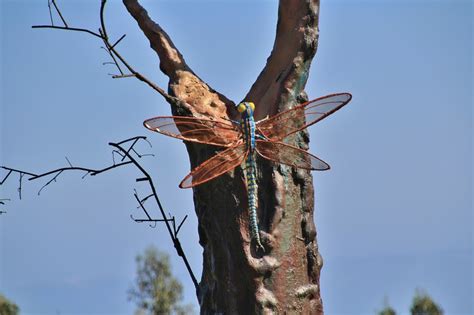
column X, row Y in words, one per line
column 236, row 279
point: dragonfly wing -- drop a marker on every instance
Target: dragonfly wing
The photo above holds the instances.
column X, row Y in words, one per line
column 219, row 164
column 286, row 154
column 301, row 116
column 202, row 130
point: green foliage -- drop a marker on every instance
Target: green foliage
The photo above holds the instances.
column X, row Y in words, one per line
column 387, row 309
column 7, row 307
column 424, row 305
column 156, row 291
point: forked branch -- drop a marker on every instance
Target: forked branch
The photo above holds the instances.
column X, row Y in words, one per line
column 198, row 98
column 126, row 149
column 109, row 47
column 281, row 82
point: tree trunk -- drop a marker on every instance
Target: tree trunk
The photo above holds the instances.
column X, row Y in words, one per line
column 236, row 279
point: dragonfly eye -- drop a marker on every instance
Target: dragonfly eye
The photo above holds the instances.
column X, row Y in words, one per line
column 252, row 105
column 241, row 107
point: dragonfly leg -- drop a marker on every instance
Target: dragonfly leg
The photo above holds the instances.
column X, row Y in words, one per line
column 261, row 137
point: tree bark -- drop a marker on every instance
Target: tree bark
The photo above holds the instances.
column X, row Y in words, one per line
column 236, row 279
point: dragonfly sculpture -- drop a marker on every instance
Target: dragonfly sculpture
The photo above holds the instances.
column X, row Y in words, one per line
column 245, row 139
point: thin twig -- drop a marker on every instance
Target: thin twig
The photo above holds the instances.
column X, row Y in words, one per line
column 173, row 236
column 6, row 176
column 116, row 76
column 112, row 51
column 125, row 149
column 50, row 181
column 113, row 155
column 59, row 13
column 69, row 162
column 102, row 19
column 19, row 187
column 68, row 29
column 109, row 168
column 50, row 13
column 181, row 224
column 131, row 147
column 118, row 41
column 148, row 220
column 141, row 205
column 17, row 171
column 2, row 202
column 146, row 198
column 76, row 168
column 133, row 138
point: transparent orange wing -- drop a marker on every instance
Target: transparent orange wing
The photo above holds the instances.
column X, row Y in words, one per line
column 202, row 130
column 286, row 154
column 301, row 116
column 219, row 164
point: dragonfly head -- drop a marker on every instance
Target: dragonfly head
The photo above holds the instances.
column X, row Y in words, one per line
column 246, row 108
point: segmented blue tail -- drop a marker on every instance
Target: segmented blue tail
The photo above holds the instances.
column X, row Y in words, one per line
column 251, row 174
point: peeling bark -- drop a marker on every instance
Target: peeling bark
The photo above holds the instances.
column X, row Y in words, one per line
column 236, row 279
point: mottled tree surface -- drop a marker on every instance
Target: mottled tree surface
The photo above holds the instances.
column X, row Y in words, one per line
column 236, row 279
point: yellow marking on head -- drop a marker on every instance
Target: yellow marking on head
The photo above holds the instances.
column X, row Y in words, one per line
column 241, row 107
column 252, row 105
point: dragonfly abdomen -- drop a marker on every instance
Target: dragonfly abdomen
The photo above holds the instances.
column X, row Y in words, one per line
column 248, row 128
column 251, row 172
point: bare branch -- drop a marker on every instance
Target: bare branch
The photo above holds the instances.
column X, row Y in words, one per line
column 111, row 55
column 111, row 50
column 118, row 41
column 181, row 224
column 58, row 171
column 197, row 97
column 68, row 29
column 59, row 13
column 141, row 206
column 74, row 168
column 284, row 76
column 50, row 13
column 16, row 171
column 131, row 147
column 171, row 60
column 124, row 149
column 19, row 187
column 143, row 200
column 122, row 76
column 21, row 174
column 50, row 181
column 69, row 162
column 2, row 202
column 6, row 176
column 174, row 238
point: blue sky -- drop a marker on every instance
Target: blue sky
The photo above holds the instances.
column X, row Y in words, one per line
column 393, row 214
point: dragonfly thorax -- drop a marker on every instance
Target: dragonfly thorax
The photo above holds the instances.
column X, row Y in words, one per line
column 247, row 124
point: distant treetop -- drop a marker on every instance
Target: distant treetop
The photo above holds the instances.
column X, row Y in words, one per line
column 424, row 305
column 7, row 307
